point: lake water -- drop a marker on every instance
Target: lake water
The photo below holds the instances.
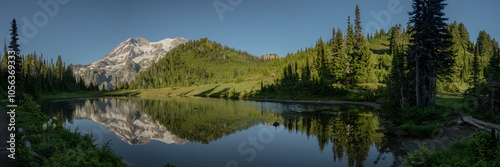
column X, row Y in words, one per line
column 192, row 131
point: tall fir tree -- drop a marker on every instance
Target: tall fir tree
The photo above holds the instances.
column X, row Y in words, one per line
column 349, row 45
column 429, row 56
column 339, row 58
column 455, row 47
column 14, row 37
column 59, row 68
column 323, row 67
column 358, row 34
column 464, row 35
column 485, row 46
column 14, row 46
column 305, row 77
column 465, row 46
column 362, row 64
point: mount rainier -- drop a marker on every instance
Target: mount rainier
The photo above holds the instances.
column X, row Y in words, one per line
column 125, row 62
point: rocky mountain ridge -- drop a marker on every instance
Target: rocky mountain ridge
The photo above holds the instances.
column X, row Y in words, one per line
column 125, row 61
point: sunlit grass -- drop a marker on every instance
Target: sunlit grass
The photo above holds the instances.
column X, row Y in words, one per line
column 237, row 90
column 67, row 95
column 450, row 100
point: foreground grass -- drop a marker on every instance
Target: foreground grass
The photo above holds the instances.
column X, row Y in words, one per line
column 422, row 122
column 452, row 100
column 55, row 145
column 480, row 150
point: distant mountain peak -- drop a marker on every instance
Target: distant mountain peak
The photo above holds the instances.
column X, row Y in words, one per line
column 112, row 68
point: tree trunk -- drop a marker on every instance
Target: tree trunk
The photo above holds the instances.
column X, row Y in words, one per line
column 432, row 90
column 417, row 81
column 402, row 98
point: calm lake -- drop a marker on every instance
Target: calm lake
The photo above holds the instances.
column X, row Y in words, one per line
column 193, row 131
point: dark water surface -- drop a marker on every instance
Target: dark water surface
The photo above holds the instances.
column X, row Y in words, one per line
column 192, row 131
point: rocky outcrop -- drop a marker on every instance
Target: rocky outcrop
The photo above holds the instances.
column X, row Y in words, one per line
column 269, row 57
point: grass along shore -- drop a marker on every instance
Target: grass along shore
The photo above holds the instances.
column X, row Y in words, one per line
column 43, row 141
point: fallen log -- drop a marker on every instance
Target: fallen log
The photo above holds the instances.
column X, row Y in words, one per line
column 492, row 128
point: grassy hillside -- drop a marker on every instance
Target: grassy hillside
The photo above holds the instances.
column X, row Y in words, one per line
column 198, row 63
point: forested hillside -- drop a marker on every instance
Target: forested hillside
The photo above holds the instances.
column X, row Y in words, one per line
column 200, row 62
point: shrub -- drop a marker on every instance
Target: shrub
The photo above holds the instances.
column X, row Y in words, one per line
column 481, row 150
column 420, row 130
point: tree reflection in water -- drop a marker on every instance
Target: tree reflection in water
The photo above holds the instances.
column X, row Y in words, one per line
column 351, row 133
column 350, row 130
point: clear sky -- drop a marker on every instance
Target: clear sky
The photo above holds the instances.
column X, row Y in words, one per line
column 83, row 31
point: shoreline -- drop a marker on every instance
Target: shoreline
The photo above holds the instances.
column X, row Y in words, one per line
column 104, row 94
column 370, row 104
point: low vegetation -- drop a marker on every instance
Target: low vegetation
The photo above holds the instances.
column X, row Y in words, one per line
column 480, row 150
column 54, row 145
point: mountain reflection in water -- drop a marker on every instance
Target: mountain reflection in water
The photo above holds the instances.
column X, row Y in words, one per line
column 350, row 131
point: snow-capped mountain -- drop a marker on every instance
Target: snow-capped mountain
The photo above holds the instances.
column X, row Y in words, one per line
column 125, row 61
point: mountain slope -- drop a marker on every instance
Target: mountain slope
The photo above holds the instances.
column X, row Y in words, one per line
column 125, row 61
column 200, row 62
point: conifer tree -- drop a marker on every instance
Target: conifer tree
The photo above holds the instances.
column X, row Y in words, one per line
column 14, row 37
column 358, row 34
column 351, row 58
column 14, row 46
column 465, row 58
column 453, row 31
column 464, row 36
column 4, row 58
column 59, row 68
column 493, row 73
column 322, row 61
column 397, row 82
column 339, row 57
column 429, row 56
column 485, row 46
column 362, row 64
column 305, row 77
column 333, row 37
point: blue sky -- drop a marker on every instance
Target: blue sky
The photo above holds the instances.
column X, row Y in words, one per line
column 84, row 31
